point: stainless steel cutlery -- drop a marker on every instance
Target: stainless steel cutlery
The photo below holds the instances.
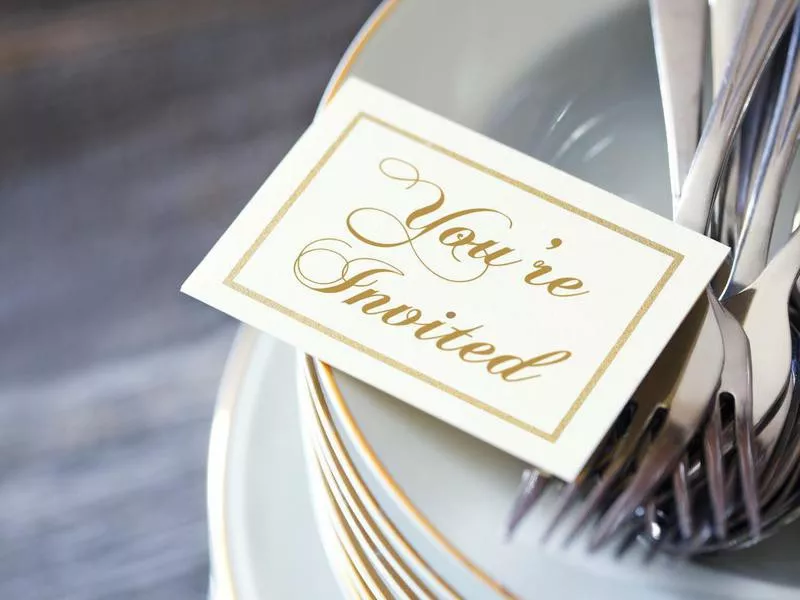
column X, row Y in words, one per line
column 706, row 456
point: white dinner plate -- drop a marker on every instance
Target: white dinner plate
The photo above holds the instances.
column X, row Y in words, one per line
column 264, row 539
column 343, row 547
column 379, row 538
column 383, row 575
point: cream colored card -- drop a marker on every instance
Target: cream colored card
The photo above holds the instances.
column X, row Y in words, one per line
column 488, row 289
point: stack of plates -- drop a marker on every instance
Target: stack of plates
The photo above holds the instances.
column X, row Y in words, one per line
column 418, row 508
column 321, row 486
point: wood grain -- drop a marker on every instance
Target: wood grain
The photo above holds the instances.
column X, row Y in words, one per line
column 132, row 134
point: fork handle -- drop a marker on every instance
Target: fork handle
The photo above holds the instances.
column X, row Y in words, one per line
column 679, row 34
column 783, row 269
column 760, row 34
column 752, row 250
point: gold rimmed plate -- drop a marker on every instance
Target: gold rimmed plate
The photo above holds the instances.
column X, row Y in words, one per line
column 386, row 576
column 375, row 580
column 263, row 538
column 353, row 495
column 574, row 84
column 445, row 485
column 350, row 581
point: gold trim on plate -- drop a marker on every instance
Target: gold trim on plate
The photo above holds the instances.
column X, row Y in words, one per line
column 340, row 562
column 356, row 487
column 361, row 535
column 313, row 369
column 364, row 567
column 217, row 473
column 345, row 567
column 361, row 543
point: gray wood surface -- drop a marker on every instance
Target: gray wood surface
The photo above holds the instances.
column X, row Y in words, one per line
column 132, row 133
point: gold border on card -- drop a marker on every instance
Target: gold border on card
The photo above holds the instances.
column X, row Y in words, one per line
column 549, row 436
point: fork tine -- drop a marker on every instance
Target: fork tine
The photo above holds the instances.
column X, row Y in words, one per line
column 629, row 447
column 629, row 532
column 691, row 395
column 651, row 525
column 568, row 497
column 628, row 538
column 589, row 506
column 715, row 474
column 785, row 451
column 608, row 480
column 770, row 437
column 650, row 515
column 789, row 459
column 736, row 383
column 683, row 499
column 655, row 544
column 659, row 460
column 657, row 535
column 632, row 444
column 695, row 544
column 530, row 490
column 790, row 488
column 776, row 434
column 748, row 480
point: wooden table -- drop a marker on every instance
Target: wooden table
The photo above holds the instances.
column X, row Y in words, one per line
column 132, row 133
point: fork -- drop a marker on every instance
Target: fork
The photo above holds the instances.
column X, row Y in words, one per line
column 690, row 404
column 749, row 260
column 676, row 27
column 757, row 305
column 724, row 19
column 752, row 248
column 762, row 309
column 690, row 396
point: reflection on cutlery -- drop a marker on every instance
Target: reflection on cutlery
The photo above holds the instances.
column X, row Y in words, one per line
column 762, row 26
column 725, row 18
column 712, row 350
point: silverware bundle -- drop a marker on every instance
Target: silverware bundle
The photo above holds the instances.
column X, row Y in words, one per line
column 705, row 457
